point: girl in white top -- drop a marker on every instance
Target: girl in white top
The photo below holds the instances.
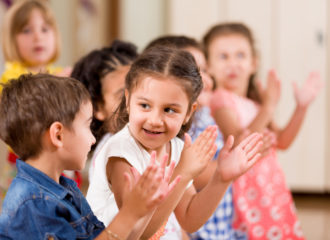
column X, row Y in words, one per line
column 161, row 90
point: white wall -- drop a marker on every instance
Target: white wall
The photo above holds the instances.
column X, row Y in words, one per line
column 287, row 36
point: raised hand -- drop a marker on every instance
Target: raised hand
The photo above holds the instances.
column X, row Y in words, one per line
column 268, row 142
column 309, row 90
column 234, row 162
column 195, row 157
column 270, row 94
column 146, row 192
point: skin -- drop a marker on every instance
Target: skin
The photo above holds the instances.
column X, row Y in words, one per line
column 36, row 42
column 67, row 148
column 112, row 88
column 232, row 62
column 156, row 116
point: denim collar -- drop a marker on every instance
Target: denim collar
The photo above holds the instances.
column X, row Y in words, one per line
column 39, row 178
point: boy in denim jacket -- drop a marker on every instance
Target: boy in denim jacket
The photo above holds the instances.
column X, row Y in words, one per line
column 46, row 120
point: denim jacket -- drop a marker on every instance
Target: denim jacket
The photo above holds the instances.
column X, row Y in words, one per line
column 36, row 207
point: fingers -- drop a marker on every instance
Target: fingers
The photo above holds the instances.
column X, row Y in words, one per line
column 229, row 143
column 173, row 184
column 169, row 172
column 128, row 181
column 253, row 161
column 152, row 158
column 187, row 140
column 254, row 150
column 252, row 137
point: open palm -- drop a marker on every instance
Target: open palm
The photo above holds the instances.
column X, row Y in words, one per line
column 305, row 94
column 233, row 162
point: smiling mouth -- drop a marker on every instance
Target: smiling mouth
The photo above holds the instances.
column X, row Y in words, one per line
column 151, row 132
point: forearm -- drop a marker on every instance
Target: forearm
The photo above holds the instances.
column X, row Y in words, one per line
column 203, row 204
column 121, row 226
column 202, row 179
column 288, row 134
column 167, row 207
column 262, row 120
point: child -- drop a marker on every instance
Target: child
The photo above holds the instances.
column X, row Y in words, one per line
column 51, row 135
column 103, row 73
column 161, row 90
column 263, row 204
column 219, row 226
column 30, row 43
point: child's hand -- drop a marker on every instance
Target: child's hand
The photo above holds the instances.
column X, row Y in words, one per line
column 269, row 141
column 307, row 93
column 195, row 157
column 146, row 192
column 66, row 72
column 234, row 162
column 271, row 94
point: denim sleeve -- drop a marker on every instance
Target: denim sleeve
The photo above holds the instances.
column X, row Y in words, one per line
column 42, row 219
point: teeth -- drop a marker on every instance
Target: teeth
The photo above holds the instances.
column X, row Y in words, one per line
column 152, row 131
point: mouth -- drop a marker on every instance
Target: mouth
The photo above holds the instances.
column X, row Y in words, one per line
column 151, row 132
column 232, row 75
column 38, row 49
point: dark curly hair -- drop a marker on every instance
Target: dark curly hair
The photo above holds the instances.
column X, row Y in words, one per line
column 92, row 68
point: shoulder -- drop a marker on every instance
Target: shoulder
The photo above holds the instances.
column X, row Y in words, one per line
column 12, row 70
column 122, row 145
column 222, row 98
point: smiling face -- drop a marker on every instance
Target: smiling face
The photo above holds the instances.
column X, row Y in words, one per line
column 77, row 140
column 231, row 62
column 157, row 108
column 36, row 42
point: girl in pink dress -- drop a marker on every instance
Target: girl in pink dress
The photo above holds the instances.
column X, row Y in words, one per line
column 263, row 204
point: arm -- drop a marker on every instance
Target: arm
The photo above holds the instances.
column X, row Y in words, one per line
column 192, row 212
column 226, row 117
column 137, row 204
column 303, row 96
column 201, row 152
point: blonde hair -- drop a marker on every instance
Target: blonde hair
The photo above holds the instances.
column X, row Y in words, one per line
column 14, row 21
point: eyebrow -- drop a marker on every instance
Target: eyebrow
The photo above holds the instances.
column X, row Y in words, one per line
column 169, row 104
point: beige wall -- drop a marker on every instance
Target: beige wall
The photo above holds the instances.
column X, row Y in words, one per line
column 286, row 36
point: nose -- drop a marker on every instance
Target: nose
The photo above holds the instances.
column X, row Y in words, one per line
column 155, row 118
column 93, row 139
column 37, row 34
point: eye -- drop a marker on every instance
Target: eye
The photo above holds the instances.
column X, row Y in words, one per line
column 26, row 30
column 240, row 55
column 144, row 105
column 45, row 29
column 223, row 56
column 169, row 110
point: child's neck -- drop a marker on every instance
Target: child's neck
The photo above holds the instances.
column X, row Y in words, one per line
column 37, row 69
column 46, row 165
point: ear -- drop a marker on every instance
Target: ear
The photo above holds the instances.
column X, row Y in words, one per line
column 255, row 64
column 56, row 134
column 127, row 100
column 100, row 113
column 189, row 114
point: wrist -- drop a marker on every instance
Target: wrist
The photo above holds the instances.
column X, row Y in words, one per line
column 218, row 177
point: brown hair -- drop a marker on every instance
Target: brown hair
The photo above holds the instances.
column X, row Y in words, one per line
column 14, row 21
column 180, row 42
column 241, row 29
column 165, row 62
column 31, row 103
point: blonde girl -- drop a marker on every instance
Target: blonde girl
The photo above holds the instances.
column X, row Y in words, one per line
column 30, row 43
